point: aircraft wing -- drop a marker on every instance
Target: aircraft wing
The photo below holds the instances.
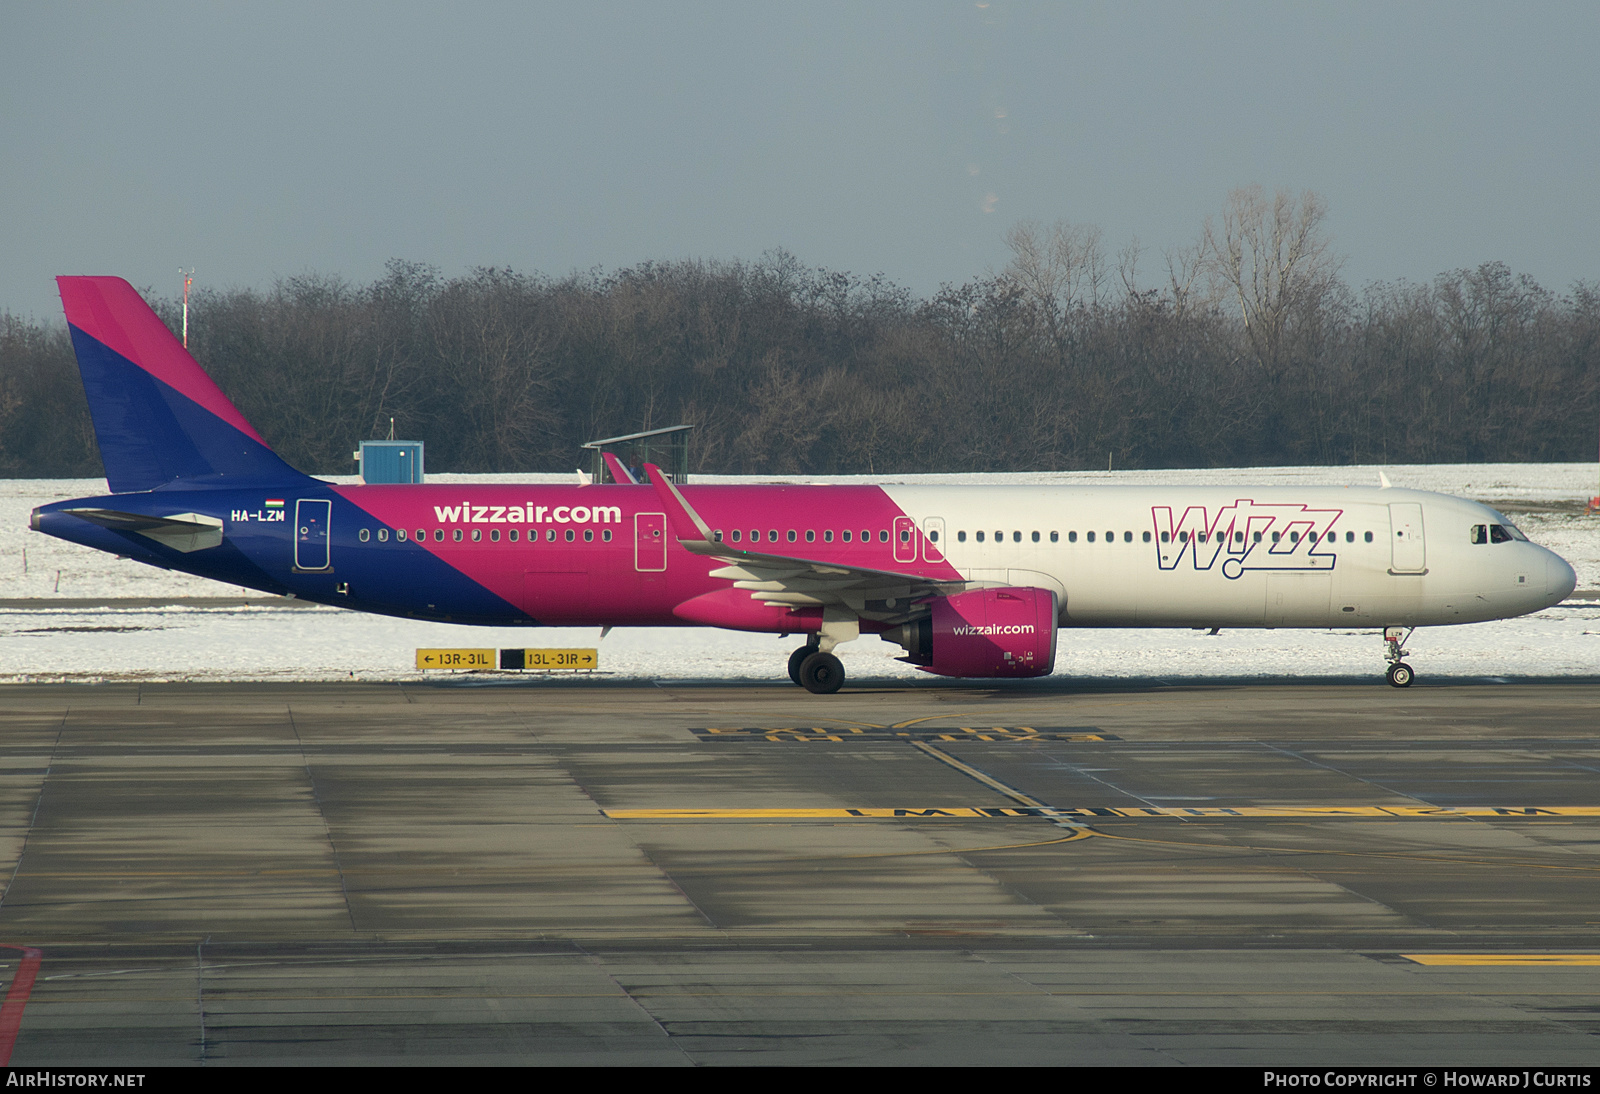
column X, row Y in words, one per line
column 793, row 581
column 781, row 579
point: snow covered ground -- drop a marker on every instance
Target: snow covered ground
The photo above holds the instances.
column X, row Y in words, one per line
column 332, row 644
column 255, row 643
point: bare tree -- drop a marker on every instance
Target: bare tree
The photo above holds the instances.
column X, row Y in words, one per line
column 1271, row 255
column 1128, row 267
column 495, row 361
column 1187, row 278
column 1058, row 270
column 1064, row 263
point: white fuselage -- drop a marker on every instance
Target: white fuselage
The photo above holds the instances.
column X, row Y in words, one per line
column 1156, row 556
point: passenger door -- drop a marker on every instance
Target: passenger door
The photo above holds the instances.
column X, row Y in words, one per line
column 311, row 520
column 1408, row 550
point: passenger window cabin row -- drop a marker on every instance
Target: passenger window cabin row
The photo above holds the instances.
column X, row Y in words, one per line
column 569, row 535
column 792, row 536
column 1182, row 537
column 457, row 535
column 1493, row 533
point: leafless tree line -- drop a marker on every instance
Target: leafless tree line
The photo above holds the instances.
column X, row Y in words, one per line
column 1244, row 348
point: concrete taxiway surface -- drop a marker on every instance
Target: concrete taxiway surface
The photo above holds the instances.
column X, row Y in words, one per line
column 576, row 872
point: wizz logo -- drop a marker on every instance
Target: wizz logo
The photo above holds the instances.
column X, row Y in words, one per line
column 1247, row 536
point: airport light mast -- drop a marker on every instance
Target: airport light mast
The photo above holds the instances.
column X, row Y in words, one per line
column 188, row 279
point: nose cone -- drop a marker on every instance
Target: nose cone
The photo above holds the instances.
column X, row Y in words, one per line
column 1559, row 578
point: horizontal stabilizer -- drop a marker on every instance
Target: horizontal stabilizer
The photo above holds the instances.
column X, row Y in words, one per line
column 181, row 531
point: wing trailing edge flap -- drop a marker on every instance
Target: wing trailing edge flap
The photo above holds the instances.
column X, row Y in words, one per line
column 797, row 582
column 183, row 532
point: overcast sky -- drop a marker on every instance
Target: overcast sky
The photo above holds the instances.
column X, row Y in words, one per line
column 257, row 141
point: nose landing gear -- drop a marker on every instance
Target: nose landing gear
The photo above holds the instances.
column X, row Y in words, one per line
column 1400, row 674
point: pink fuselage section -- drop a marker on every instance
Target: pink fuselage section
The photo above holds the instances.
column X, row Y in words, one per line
column 609, row 554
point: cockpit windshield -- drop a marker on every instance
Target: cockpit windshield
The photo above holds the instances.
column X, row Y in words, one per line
column 1505, row 530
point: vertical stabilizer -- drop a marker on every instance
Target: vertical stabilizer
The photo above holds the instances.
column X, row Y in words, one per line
column 157, row 415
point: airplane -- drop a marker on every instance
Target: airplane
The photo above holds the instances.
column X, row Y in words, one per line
column 973, row 582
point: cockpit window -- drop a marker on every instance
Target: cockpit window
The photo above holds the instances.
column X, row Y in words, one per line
column 1498, row 534
column 1511, row 529
column 1480, row 533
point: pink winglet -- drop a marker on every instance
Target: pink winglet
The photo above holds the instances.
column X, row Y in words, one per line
column 108, row 310
column 619, row 474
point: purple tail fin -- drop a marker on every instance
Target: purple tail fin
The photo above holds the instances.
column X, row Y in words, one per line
column 157, row 415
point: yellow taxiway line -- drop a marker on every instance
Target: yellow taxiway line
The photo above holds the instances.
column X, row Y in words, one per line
column 1104, row 812
column 1503, row 958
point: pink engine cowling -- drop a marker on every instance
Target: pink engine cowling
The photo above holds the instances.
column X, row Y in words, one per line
column 991, row 632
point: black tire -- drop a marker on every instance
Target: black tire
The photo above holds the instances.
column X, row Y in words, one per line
column 1400, row 675
column 821, row 674
column 796, row 659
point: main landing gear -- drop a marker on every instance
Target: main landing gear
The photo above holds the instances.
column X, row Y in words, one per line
column 813, row 666
column 819, row 673
column 797, row 658
column 1399, row 674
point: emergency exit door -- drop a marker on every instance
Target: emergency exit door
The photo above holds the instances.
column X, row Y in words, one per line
column 905, row 539
column 650, row 542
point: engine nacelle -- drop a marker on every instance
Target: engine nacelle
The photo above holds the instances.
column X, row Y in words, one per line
column 986, row 632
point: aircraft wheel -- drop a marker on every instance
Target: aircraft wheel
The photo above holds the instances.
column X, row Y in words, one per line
column 821, row 674
column 797, row 658
column 1400, row 675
